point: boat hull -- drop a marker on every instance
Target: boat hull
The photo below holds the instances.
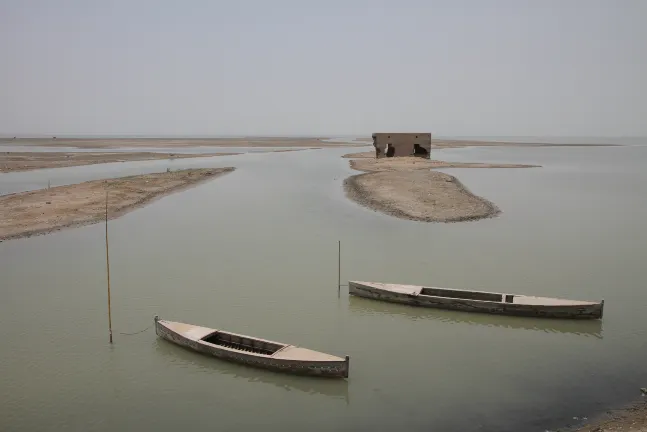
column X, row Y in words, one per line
column 332, row 369
column 586, row 310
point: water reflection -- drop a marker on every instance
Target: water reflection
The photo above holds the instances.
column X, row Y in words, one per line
column 335, row 388
column 590, row 328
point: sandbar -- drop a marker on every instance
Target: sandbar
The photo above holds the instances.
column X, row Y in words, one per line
column 408, row 188
column 46, row 210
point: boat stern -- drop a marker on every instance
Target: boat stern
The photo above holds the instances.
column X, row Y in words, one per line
column 308, row 362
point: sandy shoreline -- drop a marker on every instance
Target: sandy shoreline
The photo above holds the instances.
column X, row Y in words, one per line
column 630, row 419
column 46, row 210
column 407, row 188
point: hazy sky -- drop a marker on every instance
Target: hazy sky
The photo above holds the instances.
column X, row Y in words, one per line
column 450, row 67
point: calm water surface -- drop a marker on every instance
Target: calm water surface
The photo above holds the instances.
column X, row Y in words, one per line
column 185, row 150
column 255, row 252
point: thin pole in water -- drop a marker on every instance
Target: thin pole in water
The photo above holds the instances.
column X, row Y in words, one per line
column 338, row 268
column 108, row 271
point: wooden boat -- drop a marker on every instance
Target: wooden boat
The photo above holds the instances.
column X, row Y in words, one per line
column 252, row 351
column 577, row 327
column 478, row 301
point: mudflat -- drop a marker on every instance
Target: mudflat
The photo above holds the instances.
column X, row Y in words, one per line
column 439, row 144
column 180, row 142
column 367, row 162
column 418, row 195
column 42, row 211
column 630, row 419
column 406, row 187
column 25, row 161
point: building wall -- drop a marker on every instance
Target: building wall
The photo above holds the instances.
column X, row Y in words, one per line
column 403, row 143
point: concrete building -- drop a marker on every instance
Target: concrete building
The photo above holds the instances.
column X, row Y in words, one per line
column 402, row 144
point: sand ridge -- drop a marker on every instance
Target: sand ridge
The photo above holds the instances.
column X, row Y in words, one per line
column 42, row 211
column 408, row 188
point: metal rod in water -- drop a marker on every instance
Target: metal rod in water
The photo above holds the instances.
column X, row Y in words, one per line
column 338, row 268
column 108, row 271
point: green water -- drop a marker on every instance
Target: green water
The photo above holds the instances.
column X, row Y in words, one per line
column 255, row 252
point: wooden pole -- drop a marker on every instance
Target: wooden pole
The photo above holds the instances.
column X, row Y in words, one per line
column 338, row 268
column 108, row 271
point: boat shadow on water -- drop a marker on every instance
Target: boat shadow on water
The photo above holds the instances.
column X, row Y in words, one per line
column 337, row 389
column 588, row 328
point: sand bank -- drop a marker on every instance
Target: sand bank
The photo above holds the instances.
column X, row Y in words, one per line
column 631, row 419
column 406, row 187
column 46, row 210
column 367, row 162
column 183, row 142
column 439, row 144
column 448, row 143
column 418, row 195
column 26, row 161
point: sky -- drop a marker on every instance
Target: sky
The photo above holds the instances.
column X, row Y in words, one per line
column 328, row 67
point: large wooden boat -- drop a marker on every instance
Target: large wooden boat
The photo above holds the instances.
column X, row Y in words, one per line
column 252, row 351
column 478, row 301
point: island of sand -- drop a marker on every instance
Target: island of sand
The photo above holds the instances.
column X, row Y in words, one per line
column 407, row 188
column 43, row 211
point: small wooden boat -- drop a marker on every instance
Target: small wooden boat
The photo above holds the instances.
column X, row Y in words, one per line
column 253, row 351
column 478, row 301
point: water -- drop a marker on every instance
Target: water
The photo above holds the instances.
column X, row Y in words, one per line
column 180, row 150
column 38, row 179
column 255, row 252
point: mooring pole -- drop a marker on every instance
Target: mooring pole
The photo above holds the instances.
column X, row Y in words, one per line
column 338, row 268
column 108, row 272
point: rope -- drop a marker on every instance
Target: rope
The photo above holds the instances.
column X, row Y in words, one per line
column 132, row 334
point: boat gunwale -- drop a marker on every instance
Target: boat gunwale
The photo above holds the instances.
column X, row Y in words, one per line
column 572, row 303
column 254, row 354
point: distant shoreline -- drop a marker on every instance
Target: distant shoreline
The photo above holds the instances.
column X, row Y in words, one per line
column 440, row 143
column 177, row 143
column 29, row 161
column 274, row 141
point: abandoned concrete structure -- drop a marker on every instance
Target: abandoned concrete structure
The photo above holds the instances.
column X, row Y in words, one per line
column 402, row 144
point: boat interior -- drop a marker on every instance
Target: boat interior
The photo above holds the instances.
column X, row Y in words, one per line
column 467, row 295
column 242, row 343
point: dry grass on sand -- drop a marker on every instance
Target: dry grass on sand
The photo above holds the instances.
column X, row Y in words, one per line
column 42, row 211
